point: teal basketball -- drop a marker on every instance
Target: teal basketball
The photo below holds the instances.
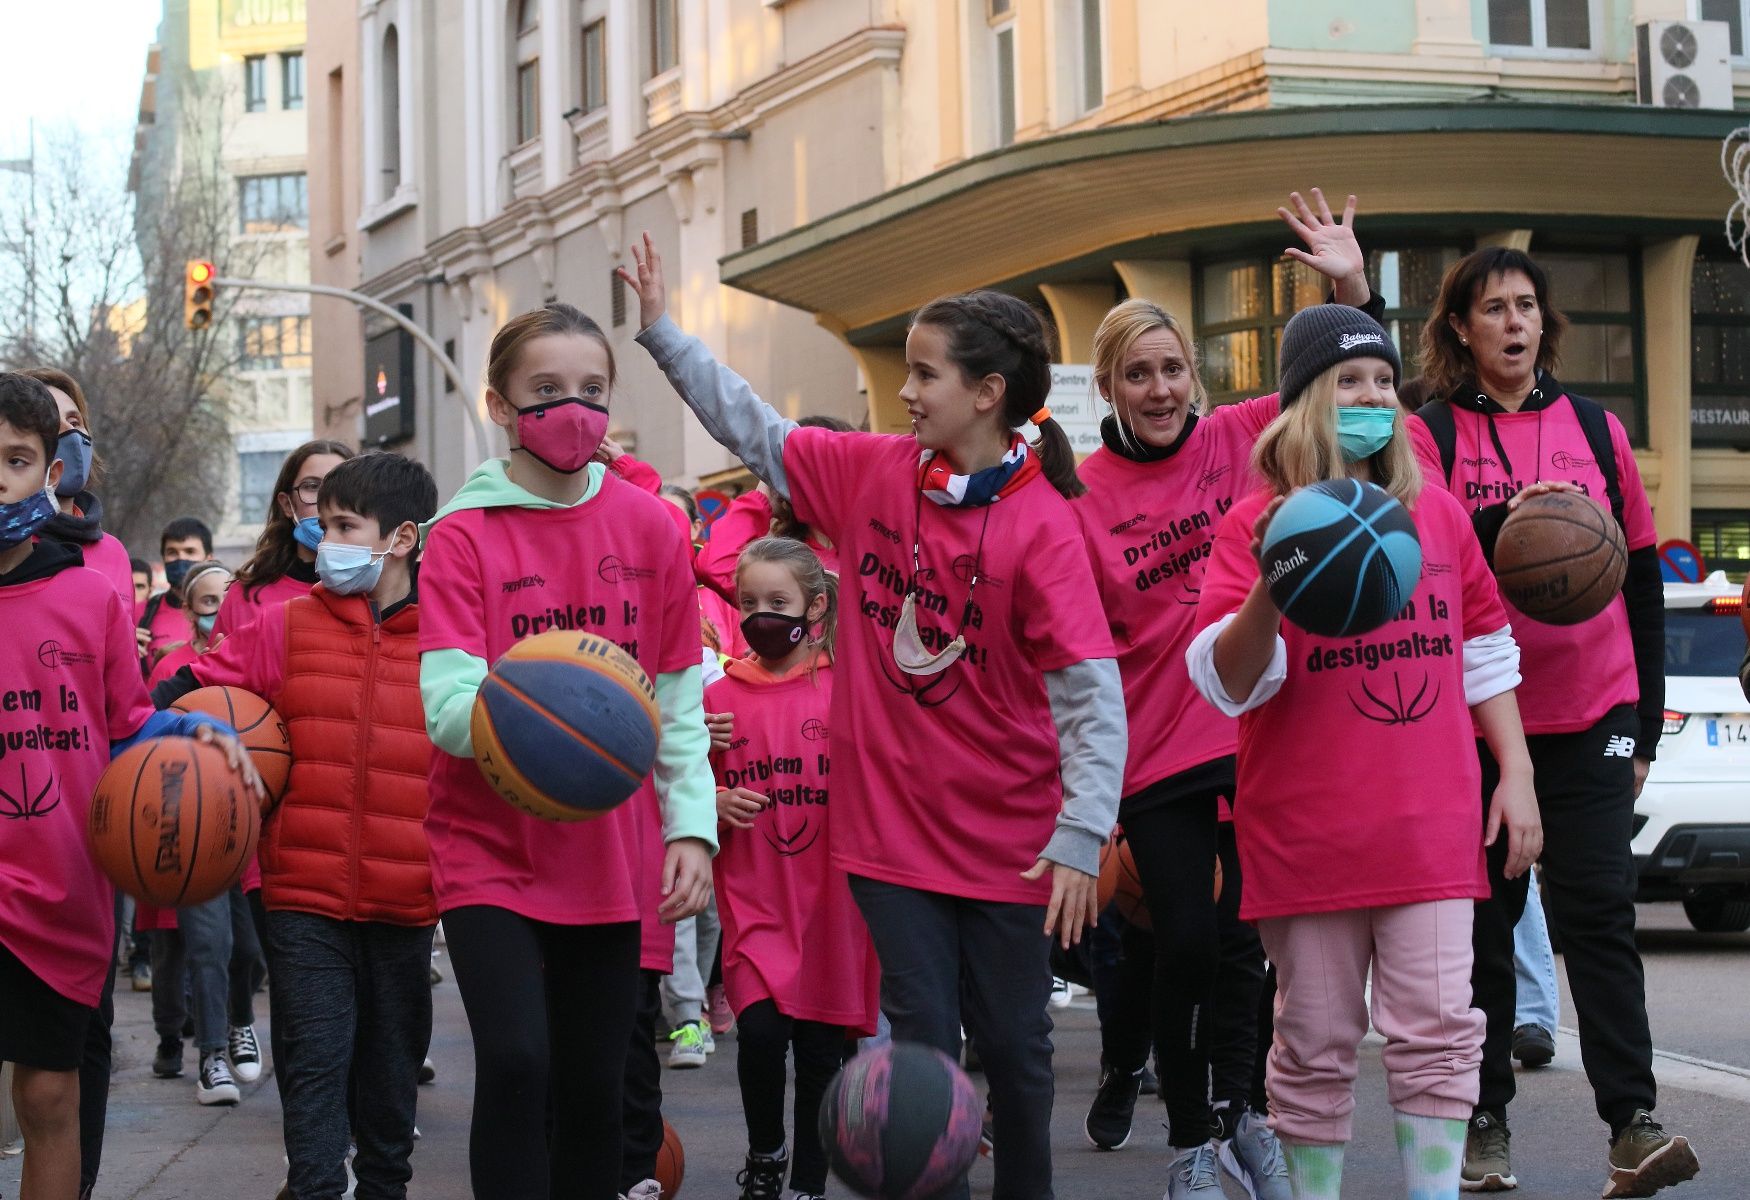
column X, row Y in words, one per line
column 1341, row 557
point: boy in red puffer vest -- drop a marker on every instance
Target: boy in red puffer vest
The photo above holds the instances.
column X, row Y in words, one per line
column 345, row 875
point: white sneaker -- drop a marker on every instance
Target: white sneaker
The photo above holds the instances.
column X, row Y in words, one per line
column 214, row 1084
column 707, row 1037
column 1060, row 993
column 688, row 1048
column 648, row 1190
column 245, row 1054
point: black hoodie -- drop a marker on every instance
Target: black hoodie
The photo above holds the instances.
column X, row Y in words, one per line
column 83, row 528
column 47, row 557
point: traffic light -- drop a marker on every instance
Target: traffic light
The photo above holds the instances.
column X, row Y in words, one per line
column 197, row 295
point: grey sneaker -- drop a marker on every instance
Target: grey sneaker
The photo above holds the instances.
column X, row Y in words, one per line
column 1488, row 1162
column 1253, row 1158
column 215, row 1085
column 1644, row 1158
column 688, row 1049
column 1192, row 1175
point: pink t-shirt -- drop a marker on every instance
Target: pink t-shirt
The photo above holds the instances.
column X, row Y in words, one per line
column 948, row 783
column 791, row 932
column 1358, row 781
column 613, row 565
column 726, row 619
column 109, row 558
column 241, row 606
column 69, row 686
column 748, row 517
column 169, row 625
column 1148, row 528
column 1574, row 674
column 172, row 662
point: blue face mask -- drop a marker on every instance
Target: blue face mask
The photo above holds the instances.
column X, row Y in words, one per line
column 20, row 520
column 205, row 623
column 74, row 451
column 348, row 570
column 1363, row 432
column 308, row 533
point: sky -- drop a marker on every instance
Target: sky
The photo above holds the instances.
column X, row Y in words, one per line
column 73, row 65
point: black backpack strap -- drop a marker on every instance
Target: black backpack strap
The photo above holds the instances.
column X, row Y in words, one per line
column 153, row 603
column 1595, row 424
column 1437, row 416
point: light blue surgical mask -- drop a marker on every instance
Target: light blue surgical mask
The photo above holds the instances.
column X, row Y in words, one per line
column 205, row 623
column 348, row 570
column 1364, row 431
column 308, row 533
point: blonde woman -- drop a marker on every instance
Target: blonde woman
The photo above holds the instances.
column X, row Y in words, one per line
column 1357, row 774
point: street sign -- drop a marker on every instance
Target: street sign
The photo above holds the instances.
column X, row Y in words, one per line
column 390, row 393
column 1075, row 405
column 1680, row 562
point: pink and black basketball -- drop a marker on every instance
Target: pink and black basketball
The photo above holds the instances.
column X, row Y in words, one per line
column 1341, row 557
column 900, row 1122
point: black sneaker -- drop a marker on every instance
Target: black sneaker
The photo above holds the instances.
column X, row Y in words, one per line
column 763, row 1177
column 167, row 1063
column 1114, row 1107
column 215, row 1085
column 1533, row 1046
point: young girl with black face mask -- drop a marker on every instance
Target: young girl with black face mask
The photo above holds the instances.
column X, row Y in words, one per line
column 798, row 964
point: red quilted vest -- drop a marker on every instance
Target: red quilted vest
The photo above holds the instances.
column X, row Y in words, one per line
column 348, row 841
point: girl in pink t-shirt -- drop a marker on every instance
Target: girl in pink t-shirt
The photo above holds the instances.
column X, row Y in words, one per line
column 798, row 964
column 203, row 590
column 283, row 566
column 542, row 918
column 1359, row 832
column 976, row 707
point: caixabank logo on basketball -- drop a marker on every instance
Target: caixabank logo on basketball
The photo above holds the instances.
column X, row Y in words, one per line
column 616, row 570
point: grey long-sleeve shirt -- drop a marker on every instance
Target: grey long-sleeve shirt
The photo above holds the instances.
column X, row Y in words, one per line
column 1087, row 698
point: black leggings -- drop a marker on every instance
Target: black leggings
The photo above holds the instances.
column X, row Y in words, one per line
column 642, row 1139
column 1240, row 1011
column 763, row 1036
column 551, row 1009
column 1174, row 846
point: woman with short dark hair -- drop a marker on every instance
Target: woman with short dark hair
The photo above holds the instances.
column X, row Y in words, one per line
column 1501, row 428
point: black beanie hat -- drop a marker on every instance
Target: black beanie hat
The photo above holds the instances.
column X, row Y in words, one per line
column 1318, row 338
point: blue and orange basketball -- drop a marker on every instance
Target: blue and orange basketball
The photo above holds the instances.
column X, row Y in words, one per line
column 565, row 726
column 900, row 1122
column 1341, row 557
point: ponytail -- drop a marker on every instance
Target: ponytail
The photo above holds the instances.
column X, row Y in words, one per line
column 993, row 333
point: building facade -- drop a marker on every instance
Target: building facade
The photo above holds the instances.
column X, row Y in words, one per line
column 813, row 170
column 243, row 62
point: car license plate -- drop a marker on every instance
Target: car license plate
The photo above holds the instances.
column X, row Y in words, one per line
column 1728, row 732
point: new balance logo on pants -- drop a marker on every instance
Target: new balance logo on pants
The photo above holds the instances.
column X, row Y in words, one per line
column 1619, row 747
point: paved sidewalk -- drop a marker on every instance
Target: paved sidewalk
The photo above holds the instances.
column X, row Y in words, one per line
column 163, row 1146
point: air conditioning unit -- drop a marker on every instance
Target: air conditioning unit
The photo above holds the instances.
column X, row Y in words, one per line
column 1683, row 64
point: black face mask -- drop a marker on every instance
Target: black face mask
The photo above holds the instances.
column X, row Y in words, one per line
column 176, row 571
column 773, row 635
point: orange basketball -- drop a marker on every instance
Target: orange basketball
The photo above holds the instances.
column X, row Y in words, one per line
column 1560, row 558
column 565, row 726
column 1218, row 877
column 172, row 823
column 671, row 1163
column 258, row 727
column 1120, row 884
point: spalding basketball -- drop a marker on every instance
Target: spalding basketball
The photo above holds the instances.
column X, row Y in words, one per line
column 671, row 1162
column 565, row 726
column 1341, row 557
column 172, row 824
column 258, row 727
column 900, row 1121
column 1120, row 884
column 1560, row 558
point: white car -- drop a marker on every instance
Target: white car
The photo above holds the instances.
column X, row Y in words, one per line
column 1692, row 822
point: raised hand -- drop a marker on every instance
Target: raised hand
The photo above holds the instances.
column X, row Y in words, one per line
column 647, row 282
column 1331, row 248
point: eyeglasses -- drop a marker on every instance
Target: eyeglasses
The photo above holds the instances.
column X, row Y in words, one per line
column 307, row 491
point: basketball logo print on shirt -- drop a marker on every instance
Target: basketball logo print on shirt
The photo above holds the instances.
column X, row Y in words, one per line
column 30, row 797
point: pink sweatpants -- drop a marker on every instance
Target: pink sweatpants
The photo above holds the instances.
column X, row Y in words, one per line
column 1421, row 960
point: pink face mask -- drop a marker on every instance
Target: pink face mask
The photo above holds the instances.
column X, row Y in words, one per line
column 562, row 434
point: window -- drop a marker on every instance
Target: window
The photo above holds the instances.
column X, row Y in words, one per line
column 1719, row 406
column 390, row 84
column 1093, row 48
column 273, row 343
column 1541, row 24
column 1243, row 305
column 616, row 298
column 528, row 72
column 999, row 8
column 664, row 36
column 255, row 83
column 273, row 203
column 1723, row 538
column 1005, row 78
column 595, row 71
column 292, row 80
column 256, row 472
column 1729, row 11
column 750, row 228
column 1599, row 292
column 1408, row 280
column 449, row 353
